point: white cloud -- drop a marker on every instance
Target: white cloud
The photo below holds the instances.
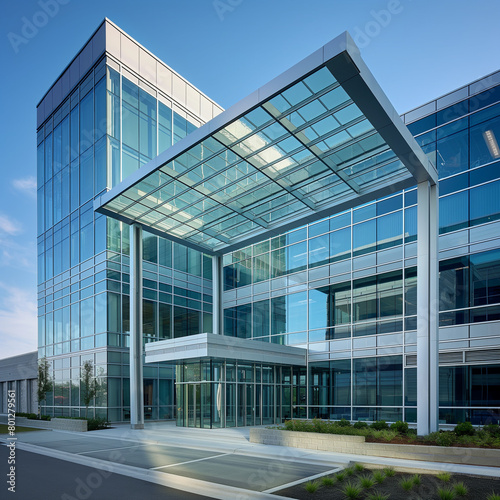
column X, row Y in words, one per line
column 27, row 185
column 18, row 323
column 9, row 225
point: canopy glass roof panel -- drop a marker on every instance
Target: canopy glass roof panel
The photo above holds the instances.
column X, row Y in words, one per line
column 316, row 140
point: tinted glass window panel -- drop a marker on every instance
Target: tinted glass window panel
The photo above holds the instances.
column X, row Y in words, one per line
column 453, row 154
column 365, row 299
column 484, row 99
column 485, row 203
column 453, row 212
column 390, row 230
column 86, row 176
column 410, row 224
column 261, row 325
column 484, row 174
column 340, row 244
column 57, row 163
column 74, row 133
column 422, row 125
column 261, row 268
column 453, row 386
column 452, row 112
column 100, row 110
column 365, row 381
column 296, row 310
column 319, row 308
column 339, row 221
column 485, row 278
column 150, row 247
column 390, row 294
column 485, row 385
column 278, row 315
column 456, row 183
column 130, row 124
column 319, row 250
column 410, row 197
column 364, row 237
column 48, row 157
column 87, row 121
column 484, row 140
column 390, row 381
column 410, row 291
column 453, row 283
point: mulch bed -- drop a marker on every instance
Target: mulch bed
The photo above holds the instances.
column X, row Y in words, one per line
column 479, row 488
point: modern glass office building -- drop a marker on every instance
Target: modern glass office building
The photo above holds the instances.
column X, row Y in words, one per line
column 342, row 289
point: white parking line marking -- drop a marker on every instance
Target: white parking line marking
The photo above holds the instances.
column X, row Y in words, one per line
column 191, row 461
column 293, row 483
column 110, row 449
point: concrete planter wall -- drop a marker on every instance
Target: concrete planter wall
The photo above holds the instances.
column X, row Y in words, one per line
column 356, row 445
column 59, row 424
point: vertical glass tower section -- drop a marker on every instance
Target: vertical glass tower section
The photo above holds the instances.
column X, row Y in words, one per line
column 114, row 108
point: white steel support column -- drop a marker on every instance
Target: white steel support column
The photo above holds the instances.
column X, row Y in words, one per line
column 427, row 309
column 217, row 295
column 136, row 372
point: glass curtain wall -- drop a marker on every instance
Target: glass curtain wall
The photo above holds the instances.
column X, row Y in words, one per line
column 103, row 131
column 345, row 287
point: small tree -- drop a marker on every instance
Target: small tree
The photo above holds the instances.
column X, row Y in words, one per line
column 89, row 385
column 45, row 383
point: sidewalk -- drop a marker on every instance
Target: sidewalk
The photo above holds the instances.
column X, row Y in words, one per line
column 220, row 463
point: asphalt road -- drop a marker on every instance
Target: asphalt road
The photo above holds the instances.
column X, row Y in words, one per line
column 40, row 477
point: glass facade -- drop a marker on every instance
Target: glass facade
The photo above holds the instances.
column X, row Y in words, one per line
column 106, row 128
column 344, row 287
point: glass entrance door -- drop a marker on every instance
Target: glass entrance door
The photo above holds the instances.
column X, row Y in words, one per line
column 197, row 405
column 246, row 405
column 193, row 405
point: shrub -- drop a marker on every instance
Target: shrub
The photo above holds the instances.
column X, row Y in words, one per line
column 377, row 496
column 351, row 490
column 366, row 481
column 406, row 484
column 493, row 496
column 32, row 416
column 460, row 489
column 311, row 486
column 401, row 427
column 45, row 417
column 417, row 479
column 349, row 471
column 445, row 438
column 389, row 471
column 360, row 425
column 464, row 429
column 446, row 494
column 378, row 476
column 493, row 429
column 444, row 476
column 95, row 424
column 379, row 425
column 328, row 481
column 359, row 467
column 343, row 422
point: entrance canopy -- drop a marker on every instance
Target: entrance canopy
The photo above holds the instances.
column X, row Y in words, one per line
column 208, row 345
column 318, row 139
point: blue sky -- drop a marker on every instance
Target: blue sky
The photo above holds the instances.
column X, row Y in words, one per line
column 417, row 50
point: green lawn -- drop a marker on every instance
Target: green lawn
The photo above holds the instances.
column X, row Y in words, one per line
column 4, row 429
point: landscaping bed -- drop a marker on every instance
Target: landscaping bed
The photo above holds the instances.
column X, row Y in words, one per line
column 356, row 482
column 463, row 435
